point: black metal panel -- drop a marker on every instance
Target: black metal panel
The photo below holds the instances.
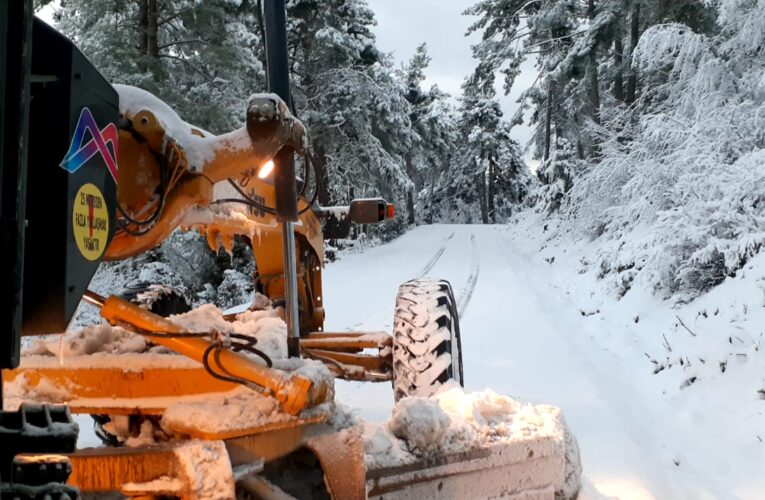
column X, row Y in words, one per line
column 58, row 270
column 15, row 52
column 277, row 58
column 35, row 429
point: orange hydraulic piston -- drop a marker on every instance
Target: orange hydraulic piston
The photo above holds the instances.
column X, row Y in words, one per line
column 295, row 392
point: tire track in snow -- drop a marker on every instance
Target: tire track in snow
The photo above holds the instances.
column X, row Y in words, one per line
column 425, row 270
column 475, row 267
column 431, row 264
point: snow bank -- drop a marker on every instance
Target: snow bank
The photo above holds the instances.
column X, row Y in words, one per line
column 675, row 369
column 675, row 198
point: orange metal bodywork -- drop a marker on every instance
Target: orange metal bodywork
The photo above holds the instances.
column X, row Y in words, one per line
column 168, row 182
column 163, row 471
column 120, row 390
column 295, row 393
column 193, row 163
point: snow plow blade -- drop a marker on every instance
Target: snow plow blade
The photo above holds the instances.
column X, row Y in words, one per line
column 527, row 470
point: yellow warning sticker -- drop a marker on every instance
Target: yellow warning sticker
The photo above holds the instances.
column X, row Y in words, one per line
column 90, row 222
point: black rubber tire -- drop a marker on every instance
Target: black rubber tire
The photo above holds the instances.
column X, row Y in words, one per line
column 159, row 299
column 427, row 351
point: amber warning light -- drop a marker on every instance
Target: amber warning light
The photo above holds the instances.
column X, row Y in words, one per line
column 387, row 211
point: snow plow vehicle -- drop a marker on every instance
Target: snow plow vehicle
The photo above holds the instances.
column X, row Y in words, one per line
column 197, row 405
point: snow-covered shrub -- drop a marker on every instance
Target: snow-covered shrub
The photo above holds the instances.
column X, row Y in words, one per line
column 557, row 175
column 680, row 203
column 185, row 263
column 235, row 289
column 189, row 257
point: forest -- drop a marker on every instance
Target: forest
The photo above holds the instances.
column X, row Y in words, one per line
column 612, row 265
column 647, row 115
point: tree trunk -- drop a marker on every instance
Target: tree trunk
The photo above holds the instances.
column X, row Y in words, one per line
column 320, row 161
column 152, row 29
column 411, row 219
column 663, row 9
column 619, row 64
column 593, row 71
column 548, row 118
column 143, row 26
column 594, row 88
column 431, row 197
column 143, row 34
column 634, row 36
column 490, row 191
column 480, row 182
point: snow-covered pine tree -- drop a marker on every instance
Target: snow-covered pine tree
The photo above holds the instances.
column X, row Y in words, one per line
column 490, row 158
column 201, row 56
column 413, row 76
column 434, row 143
column 565, row 97
column 582, row 51
column 686, row 159
column 345, row 92
column 645, row 114
column 437, row 197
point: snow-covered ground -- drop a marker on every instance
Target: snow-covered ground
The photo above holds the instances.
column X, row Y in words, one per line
column 666, row 399
column 537, row 325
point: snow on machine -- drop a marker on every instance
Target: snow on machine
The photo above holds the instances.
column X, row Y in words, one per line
column 207, row 405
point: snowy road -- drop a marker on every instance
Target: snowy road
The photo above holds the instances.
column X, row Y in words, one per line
column 522, row 338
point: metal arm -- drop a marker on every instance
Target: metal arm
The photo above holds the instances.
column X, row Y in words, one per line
column 286, row 192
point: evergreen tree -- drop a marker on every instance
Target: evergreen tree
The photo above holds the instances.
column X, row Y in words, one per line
column 490, row 157
column 200, row 56
column 583, row 52
column 413, row 76
column 345, row 92
column 438, row 195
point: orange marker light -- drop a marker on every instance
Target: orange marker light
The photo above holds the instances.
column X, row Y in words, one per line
column 390, row 211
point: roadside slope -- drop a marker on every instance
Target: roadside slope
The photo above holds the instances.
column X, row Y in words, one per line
column 538, row 330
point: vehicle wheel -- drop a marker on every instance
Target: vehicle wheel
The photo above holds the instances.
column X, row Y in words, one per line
column 426, row 338
column 159, row 299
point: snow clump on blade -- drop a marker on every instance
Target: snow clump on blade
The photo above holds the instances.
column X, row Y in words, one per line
column 420, row 422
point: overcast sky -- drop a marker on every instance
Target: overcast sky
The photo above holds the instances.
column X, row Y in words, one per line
column 404, row 24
